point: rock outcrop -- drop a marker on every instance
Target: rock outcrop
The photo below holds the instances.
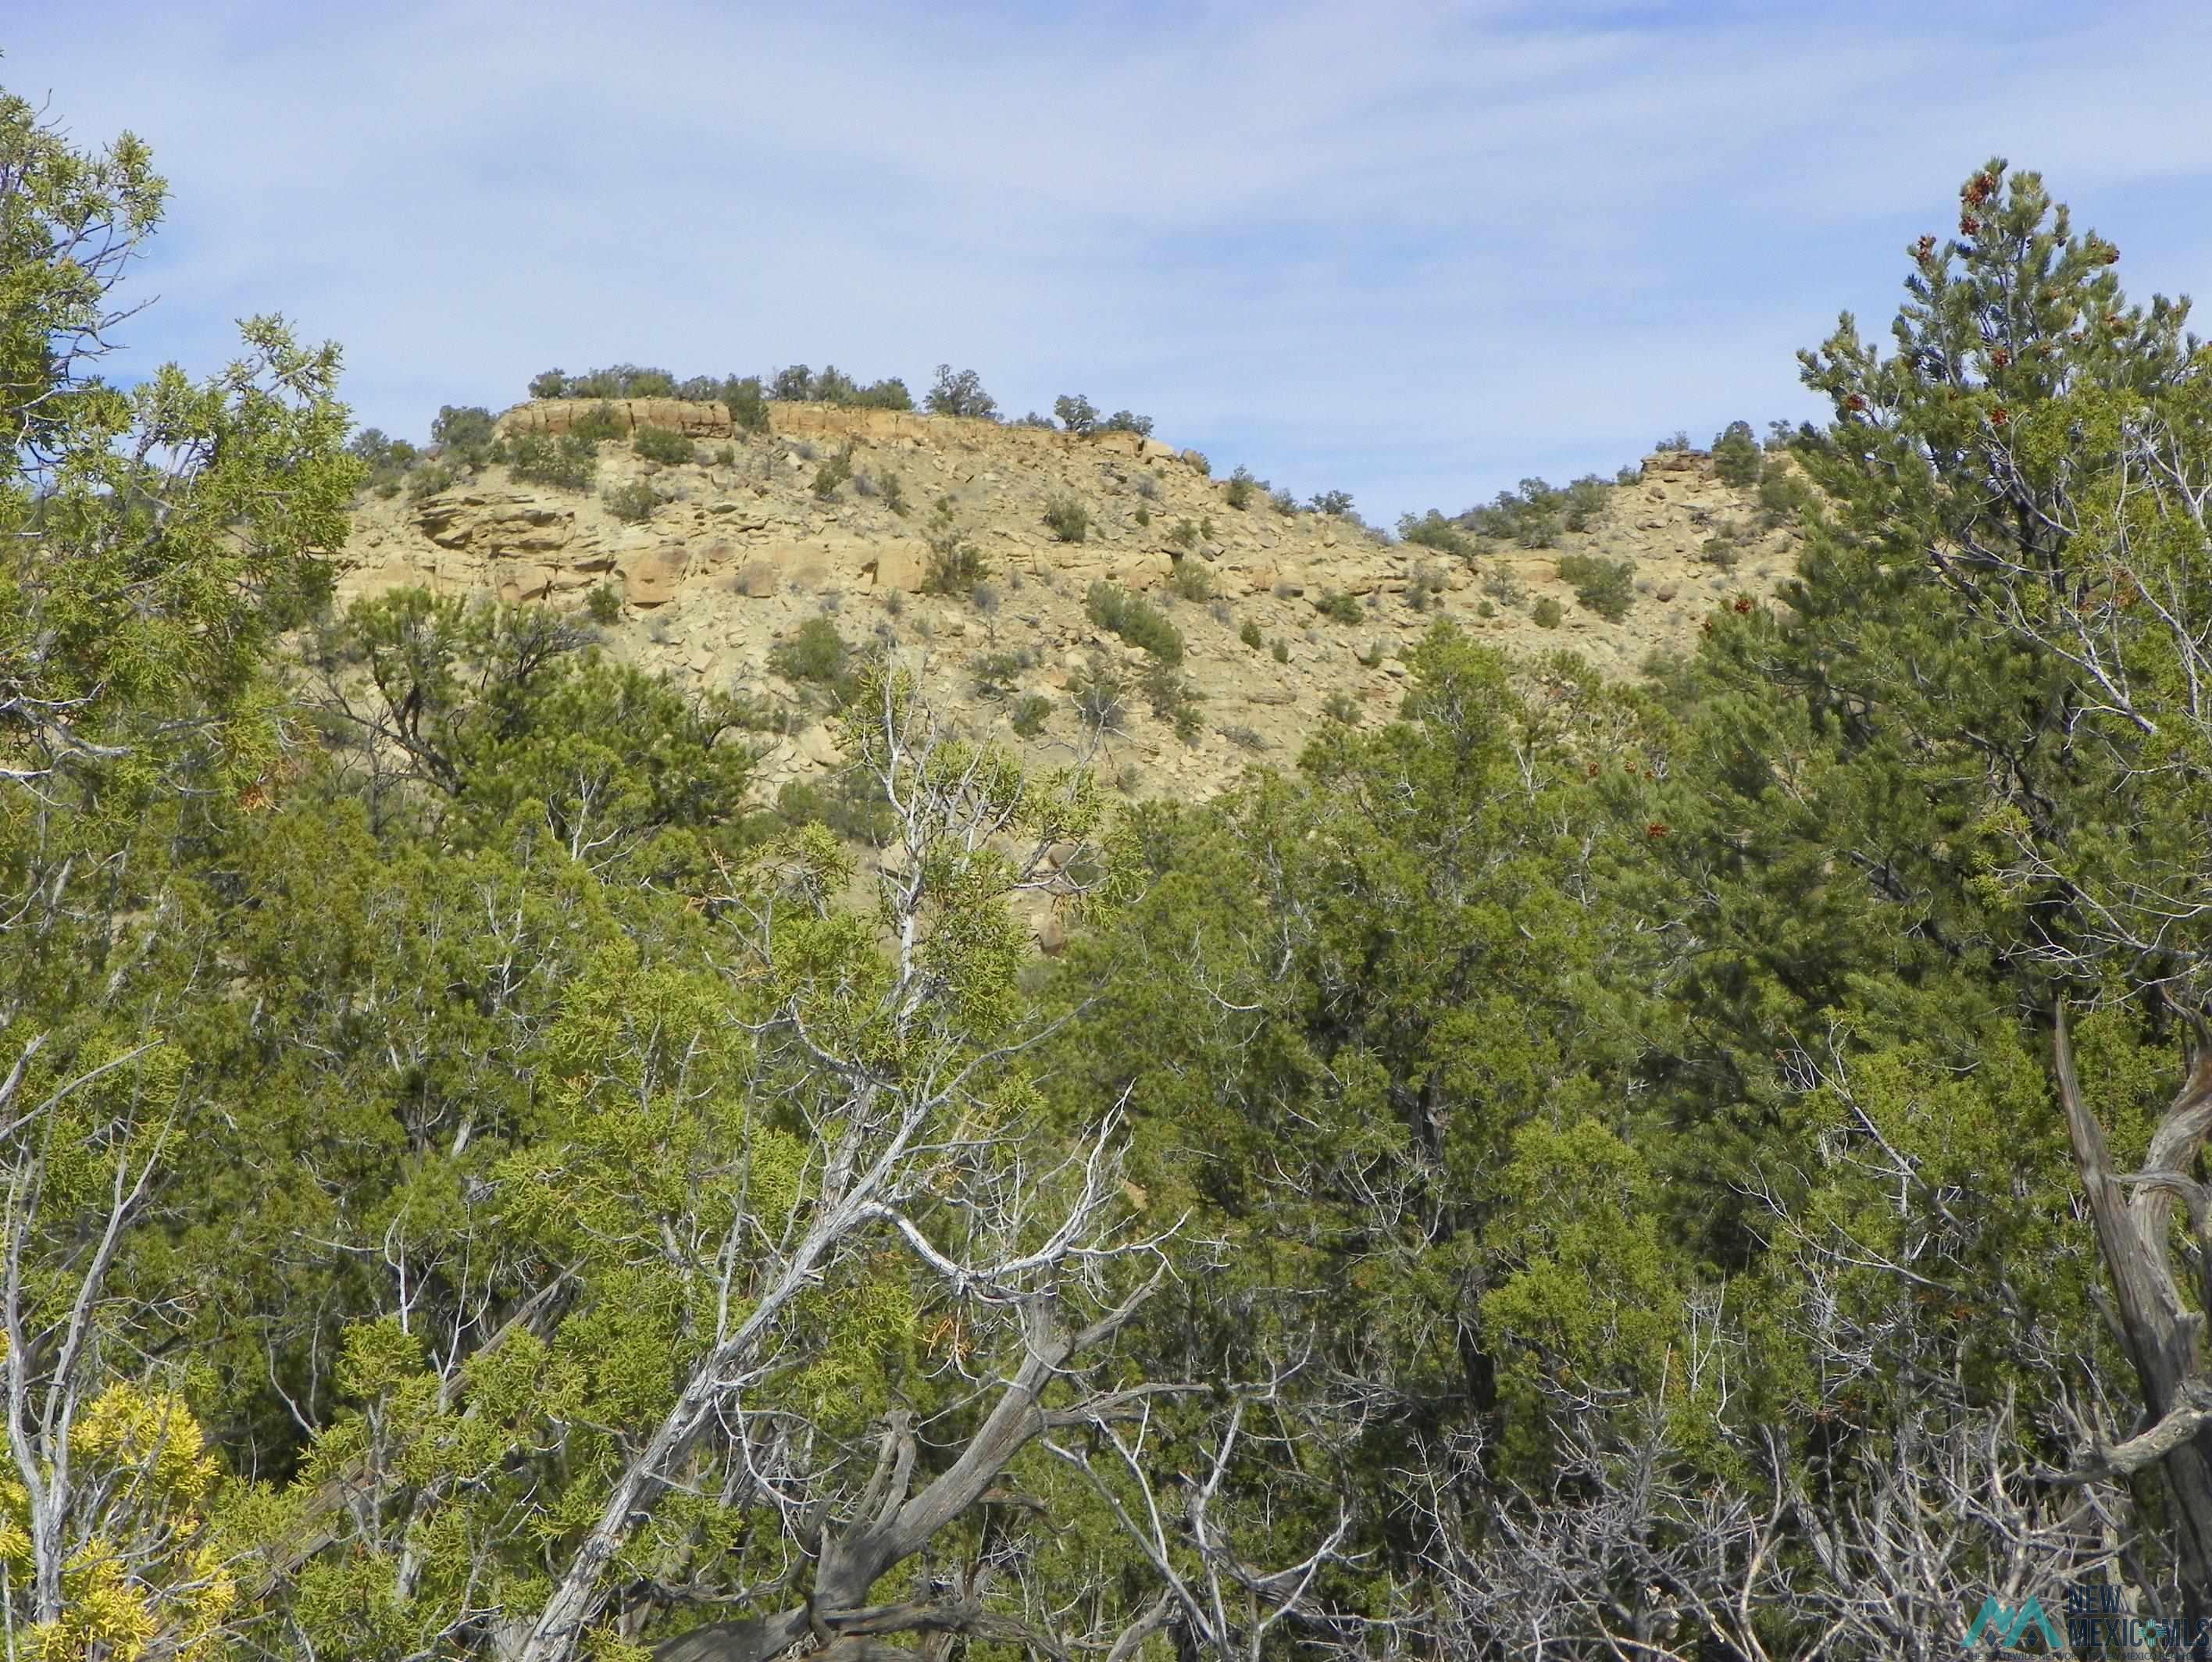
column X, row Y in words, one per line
column 739, row 553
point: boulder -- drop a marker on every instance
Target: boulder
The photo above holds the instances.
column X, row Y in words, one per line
column 650, row 579
column 902, row 564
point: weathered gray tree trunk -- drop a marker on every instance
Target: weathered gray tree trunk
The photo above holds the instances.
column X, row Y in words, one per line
column 892, row 1527
column 2163, row 1336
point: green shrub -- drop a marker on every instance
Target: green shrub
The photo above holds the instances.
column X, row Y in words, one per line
column 1432, row 530
column 1076, row 413
column 725, row 456
column 1237, row 493
column 635, row 503
column 1340, row 706
column 665, row 445
column 1185, row 535
column 1737, row 458
column 1606, row 587
column 567, row 464
column 837, row 388
column 1546, row 613
column 385, row 460
column 1101, row 697
column 1335, row 503
column 429, row 480
column 833, row 473
column 1339, row 608
column 960, row 394
column 997, row 674
column 1425, row 587
column 1125, row 421
column 1197, row 458
column 1030, row 712
column 1250, row 636
column 1192, row 581
column 1205, row 531
column 815, row 652
column 553, row 384
column 851, row 805
column 599, row 421
column 1173, row 699
column 623, row 381
column 1679, row 440
column 1373, row 657
column 1067, row 518
column 1283, row 502
column 1244, row 738
column 1531, row 517
column 1781, row 498
column 1584, row 500
column 604, row 605
column 953, row 567
column 1280, row 648
column 463, row 432
column 1537, row 530
column 1118, row 612
column 1143, row 515
column 894, row 489
column 747, row 402
column 616, row 381
column 834, row 386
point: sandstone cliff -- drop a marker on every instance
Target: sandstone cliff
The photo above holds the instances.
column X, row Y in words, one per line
column 740, row 554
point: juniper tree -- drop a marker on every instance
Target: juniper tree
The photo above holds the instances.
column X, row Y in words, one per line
column 152, row 543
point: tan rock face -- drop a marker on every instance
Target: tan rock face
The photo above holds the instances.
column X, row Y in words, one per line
column 491, row 523
column 650, row 579
column 902, row 564
column 740, row 555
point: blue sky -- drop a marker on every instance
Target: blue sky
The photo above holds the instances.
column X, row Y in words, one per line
column 1414, row 252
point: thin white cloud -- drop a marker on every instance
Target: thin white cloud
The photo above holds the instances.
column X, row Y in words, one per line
column 1439, row 244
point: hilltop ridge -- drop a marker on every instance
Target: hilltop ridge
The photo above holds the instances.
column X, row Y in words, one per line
column 702, row 566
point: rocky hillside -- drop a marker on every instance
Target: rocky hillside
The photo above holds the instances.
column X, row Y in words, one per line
column 716, row 561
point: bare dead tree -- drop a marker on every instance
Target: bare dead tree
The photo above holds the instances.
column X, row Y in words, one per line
column 1045, row 1272
column 1216, row 1602
column 2161, row 1326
